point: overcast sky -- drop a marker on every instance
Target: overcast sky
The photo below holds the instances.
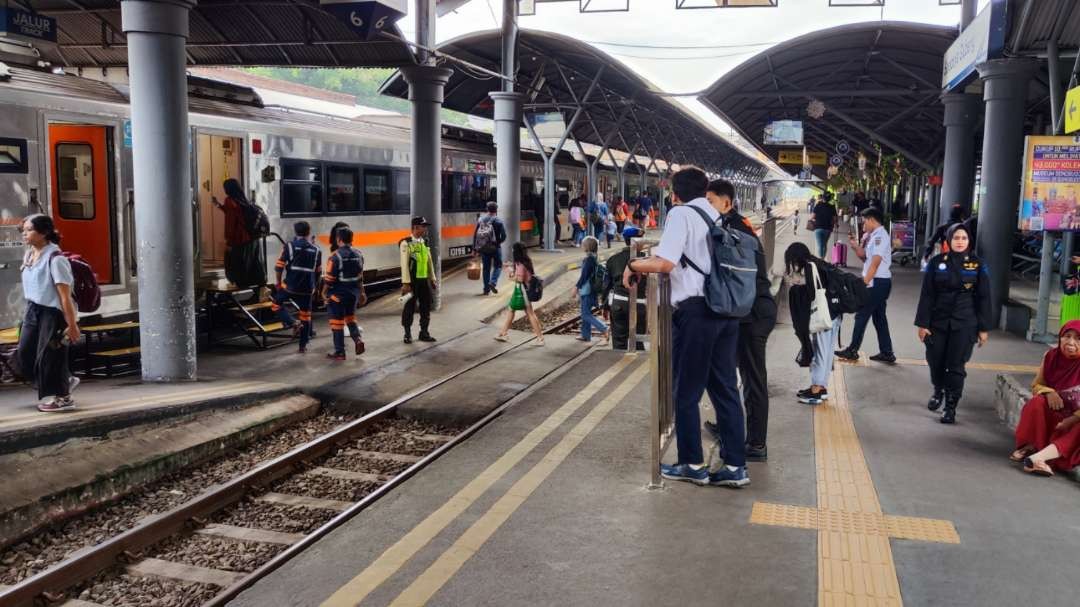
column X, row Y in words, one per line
column 696, row 47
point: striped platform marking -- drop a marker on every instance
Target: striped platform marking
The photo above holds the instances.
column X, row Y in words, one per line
column 1004, row 367
column 855, row 561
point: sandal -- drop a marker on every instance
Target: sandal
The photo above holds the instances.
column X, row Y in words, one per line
column 1037, row 468
column 1021, row 454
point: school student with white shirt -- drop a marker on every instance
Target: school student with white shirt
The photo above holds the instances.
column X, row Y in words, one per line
column 875, row 251
column 704, row 345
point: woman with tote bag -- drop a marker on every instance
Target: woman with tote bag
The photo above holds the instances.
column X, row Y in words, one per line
column 806, row 278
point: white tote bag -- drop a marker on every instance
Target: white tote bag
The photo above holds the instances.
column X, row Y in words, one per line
column 820, row 319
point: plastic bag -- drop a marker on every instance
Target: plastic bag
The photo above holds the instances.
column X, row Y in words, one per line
column 517, row 300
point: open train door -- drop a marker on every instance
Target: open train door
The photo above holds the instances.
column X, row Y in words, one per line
column 81, row 201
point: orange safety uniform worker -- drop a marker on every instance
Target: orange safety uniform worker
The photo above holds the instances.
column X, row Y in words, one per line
column 343, row 290
column 297, row 272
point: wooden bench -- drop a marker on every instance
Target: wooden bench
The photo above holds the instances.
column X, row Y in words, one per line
column 128, row 357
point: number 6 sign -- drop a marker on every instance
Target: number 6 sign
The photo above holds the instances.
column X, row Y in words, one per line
column 366, row 17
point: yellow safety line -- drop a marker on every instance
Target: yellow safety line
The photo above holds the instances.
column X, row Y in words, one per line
column 470, row 542
column 853, row 567
column 391, row 560
column 980, row 366
column 186, row 396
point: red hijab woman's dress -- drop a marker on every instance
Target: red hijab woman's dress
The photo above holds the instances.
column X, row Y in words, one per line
column 1038, row 422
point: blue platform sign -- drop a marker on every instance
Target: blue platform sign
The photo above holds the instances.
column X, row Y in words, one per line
column 127, row 135
column 20, row 23
column 983, row 39
column 368, row 18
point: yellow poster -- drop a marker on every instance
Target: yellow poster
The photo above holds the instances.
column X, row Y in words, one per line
column 1051, row 195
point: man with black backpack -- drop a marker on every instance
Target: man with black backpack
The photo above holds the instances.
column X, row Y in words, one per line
column 488, row 237
column 705, row 327
column 754, row 330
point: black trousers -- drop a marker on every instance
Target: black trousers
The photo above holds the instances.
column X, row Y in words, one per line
column 753, row 337
column 946, row 354
column 41, row 356
column 620, row 323
column 704, row 360
column 422, row 297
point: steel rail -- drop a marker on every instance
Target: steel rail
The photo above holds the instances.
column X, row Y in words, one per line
column 91, row 561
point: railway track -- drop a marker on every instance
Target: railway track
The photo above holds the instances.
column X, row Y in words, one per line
column 309, row 489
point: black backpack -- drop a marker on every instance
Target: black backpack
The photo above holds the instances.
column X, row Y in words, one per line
column 534, row 289
column 600, row 281
column 256, row 222
column 731, row 285
column 846, row 292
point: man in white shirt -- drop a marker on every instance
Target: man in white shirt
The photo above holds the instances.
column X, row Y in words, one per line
column 876, row 252
column 704, row 345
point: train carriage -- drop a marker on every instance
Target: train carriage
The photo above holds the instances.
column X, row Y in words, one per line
column 65, row 150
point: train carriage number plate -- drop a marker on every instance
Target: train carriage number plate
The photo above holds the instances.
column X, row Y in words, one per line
column 460, row 251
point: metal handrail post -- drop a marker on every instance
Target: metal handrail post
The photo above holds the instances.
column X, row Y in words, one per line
column 637, row 245
column 658, row 305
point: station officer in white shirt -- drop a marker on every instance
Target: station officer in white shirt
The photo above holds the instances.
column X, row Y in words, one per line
column 704, row 345
column 876, row 252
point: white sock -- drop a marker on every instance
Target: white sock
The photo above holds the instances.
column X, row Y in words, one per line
column 697, row 466
column 731, row 468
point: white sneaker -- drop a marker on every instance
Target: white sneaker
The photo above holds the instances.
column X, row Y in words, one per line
column 502, row 337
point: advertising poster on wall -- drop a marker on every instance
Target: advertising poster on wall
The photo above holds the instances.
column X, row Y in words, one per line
column 1051, row 184
column 903, row 235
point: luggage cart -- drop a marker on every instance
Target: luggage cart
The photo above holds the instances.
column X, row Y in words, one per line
column 902, row 234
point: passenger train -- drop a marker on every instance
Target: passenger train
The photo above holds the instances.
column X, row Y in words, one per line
column 65, row 150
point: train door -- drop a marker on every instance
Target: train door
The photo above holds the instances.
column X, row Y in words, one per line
column 81, row 196
column 219, row 159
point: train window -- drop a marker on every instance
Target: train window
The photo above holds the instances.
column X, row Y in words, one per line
column 341, row 190
column 452, row 188
column 75, row 176
column 401, row 192
column 301, row 188
column 13, row 156
column 377, row 193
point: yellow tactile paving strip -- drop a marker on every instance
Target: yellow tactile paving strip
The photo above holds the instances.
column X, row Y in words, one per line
column 900, row 527
column 855, row 562
column 980, row 366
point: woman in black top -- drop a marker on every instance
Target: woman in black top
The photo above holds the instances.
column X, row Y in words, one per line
column 953, row 314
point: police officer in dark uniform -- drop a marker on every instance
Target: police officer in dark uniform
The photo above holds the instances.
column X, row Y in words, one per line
column 301, row 264
column 953, row 314
column 619, row 303
column 343, row 291
column 754, row 330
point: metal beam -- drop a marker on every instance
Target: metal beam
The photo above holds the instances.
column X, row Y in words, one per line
column 824, row 93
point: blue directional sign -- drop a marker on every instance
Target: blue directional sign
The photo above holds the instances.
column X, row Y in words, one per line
column 367, row 17
column 25, row 24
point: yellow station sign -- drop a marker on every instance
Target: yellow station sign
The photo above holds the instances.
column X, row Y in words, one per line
column 1072, row 110
column 796, row 157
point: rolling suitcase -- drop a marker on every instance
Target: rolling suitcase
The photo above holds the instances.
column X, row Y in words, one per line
column 839, row 255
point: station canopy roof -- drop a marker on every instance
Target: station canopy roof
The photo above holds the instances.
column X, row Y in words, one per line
column 879, row 82
column 623, row 110
column 222, row 32
column 1033, row 23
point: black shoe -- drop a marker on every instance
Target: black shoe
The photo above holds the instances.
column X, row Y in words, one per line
column 407, row 339
column 847, row 354
column 757, row 453
column 426, row 337
column 883, row 357
column 494, row 290
column 936, row 399
column 948, row 416
column 804, row 392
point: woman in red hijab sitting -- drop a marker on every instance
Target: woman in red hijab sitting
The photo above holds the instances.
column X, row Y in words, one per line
column 1048, row 435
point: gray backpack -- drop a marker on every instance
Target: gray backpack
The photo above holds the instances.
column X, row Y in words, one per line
column 730, row 285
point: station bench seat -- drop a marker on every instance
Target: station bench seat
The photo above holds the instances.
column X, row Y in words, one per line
column 111, row 361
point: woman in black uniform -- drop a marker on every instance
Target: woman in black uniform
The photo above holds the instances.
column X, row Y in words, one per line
column 953, row 314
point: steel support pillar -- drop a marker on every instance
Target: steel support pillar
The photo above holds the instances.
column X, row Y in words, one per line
column 156, row 35
column 426, row 85
column 1046, row 278
column 1005, row 92
column 958, row 178
column 508, row 166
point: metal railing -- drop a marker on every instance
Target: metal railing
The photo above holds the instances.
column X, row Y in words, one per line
column 658, row 345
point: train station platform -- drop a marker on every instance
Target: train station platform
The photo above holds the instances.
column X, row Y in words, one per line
column 866, row 500
column 230, row 377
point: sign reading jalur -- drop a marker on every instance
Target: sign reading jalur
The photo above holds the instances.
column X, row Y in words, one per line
column 796, row 157
column 19, row 23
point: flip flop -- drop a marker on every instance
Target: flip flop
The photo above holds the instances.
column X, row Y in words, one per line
column 1021, row 454
column 1037, row 468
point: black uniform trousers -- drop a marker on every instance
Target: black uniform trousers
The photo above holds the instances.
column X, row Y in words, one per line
column 42, row 357
column 422, row 298
column 946, row 354
column 620, row 323
column 753, row 337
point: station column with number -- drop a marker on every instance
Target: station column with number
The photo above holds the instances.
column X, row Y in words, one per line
column 156, row 33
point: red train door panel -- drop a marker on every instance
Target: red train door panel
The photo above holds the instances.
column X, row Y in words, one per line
column 79, row 164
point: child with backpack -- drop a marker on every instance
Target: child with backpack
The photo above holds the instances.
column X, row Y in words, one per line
column 592, row 284
column 525, row 293
column 610, row 229
column 51, row 322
